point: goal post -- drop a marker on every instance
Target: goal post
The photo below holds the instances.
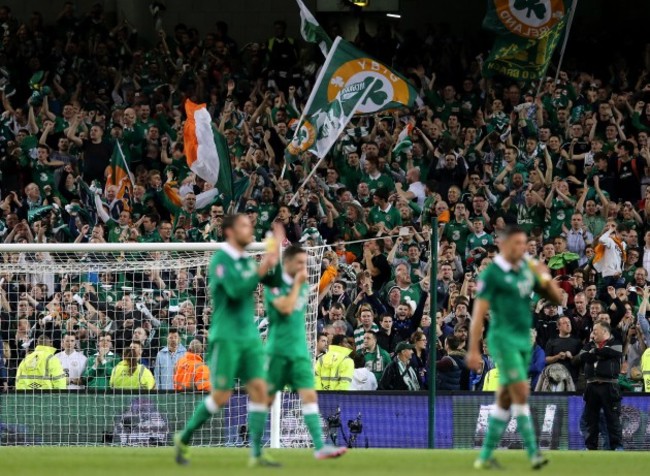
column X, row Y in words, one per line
column 124, row 296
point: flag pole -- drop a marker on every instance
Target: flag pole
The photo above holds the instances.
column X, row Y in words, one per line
column 126, row 166
column 574, row 6
column 433, row 336
column 566, row 38
column 302, row 185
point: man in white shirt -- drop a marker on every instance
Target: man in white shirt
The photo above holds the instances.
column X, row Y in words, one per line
column 609, row 258
column 72, row 361
column 416, row 187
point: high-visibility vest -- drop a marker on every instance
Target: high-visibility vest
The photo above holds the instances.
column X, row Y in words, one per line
column 334, row 370
column 191, row 374
column 41, row 370
column 491, row 382
column 122, row 378
column 645, row 369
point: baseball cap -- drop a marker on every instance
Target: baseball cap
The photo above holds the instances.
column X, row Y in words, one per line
column 403, row 346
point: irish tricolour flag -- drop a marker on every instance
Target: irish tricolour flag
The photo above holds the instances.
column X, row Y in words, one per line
column 206, row 150
column 200, row 147
column 404, row 143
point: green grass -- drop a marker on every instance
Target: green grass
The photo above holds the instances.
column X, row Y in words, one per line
column 54, row 461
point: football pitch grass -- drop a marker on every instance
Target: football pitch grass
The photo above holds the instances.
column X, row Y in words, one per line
column 72, row 461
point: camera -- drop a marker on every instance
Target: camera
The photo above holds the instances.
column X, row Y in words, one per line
column 333, row 425
column 355, row 426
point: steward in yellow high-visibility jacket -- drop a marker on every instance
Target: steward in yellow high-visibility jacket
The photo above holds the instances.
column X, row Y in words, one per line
column 335, row 369
column 41, row 370
column 645, row 370
column 491, row 382
column 130, row 375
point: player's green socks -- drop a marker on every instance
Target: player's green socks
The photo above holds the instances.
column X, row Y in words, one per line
column 525, row 428
column 256, row 423
column 497, row 424
column 202, row 413
column 312, row 419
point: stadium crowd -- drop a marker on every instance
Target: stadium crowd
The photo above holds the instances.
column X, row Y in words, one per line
column 569, row 165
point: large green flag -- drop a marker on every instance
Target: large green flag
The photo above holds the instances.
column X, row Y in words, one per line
column 350, row 82
column 527, row 33
column 311, row 31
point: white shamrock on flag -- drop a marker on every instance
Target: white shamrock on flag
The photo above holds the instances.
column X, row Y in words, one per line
column 338, row 81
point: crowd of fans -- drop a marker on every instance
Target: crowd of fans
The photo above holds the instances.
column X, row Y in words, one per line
column 567, row 162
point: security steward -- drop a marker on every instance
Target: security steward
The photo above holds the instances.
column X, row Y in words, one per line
column 41, row 370
column 601, row 358
column 335, row 369
column 645, row 370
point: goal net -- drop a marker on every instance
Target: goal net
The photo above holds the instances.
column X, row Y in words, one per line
column 96, row 303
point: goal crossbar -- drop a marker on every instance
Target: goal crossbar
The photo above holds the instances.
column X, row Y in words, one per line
column 116, row 247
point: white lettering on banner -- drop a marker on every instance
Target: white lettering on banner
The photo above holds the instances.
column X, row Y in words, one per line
column 511, row 438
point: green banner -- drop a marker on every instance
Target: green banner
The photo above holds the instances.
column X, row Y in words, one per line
column 349, row 83
column 528, row 31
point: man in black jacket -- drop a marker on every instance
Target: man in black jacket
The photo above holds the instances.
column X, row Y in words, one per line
column 386, row 337
column 399, row 375
column 602, row 360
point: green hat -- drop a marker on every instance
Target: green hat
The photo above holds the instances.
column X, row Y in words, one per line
column 36, row 80
column 403, row 346
column 38, row 213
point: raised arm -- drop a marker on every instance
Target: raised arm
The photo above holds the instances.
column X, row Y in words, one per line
column 286, row 304
column 592, row 132
column 393, row 252
column 549, row 198
column 548, row 176
column 31, row 121
column 481, row 308
column 46, row 109
column 72, row 131
column 46, row 132
column 580, row 205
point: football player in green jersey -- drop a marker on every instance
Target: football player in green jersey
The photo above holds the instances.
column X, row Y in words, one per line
column 504, row 290
column 289, row 362
column 234, row 346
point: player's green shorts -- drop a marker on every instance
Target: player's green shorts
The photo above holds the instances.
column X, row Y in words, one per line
column 513, row 363
column 294, row 372
column 228, row 360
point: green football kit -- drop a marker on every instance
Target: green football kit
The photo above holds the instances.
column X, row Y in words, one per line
column 289, row 363
column 508, row 290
